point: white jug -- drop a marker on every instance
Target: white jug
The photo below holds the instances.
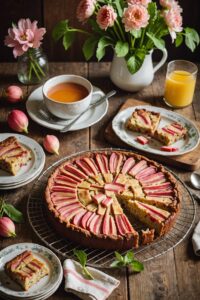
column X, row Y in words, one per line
column 122, row 78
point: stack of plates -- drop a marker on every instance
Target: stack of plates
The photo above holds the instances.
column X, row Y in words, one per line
column 27, row 173
column 41, row 290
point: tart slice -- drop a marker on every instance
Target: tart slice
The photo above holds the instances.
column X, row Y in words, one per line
column 26, row 270
column 13, row 155
column 143, row 121
column 170, row 133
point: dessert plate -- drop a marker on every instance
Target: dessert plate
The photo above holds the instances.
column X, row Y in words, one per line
column 29, row 171
column 44, row 287
column 129, row 137
column 91, row 117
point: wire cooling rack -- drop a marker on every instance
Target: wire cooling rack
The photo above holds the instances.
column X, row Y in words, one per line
column 103, row 258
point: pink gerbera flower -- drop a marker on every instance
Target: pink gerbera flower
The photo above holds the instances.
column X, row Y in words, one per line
column 85, row 10
column 141, row 2
column 135, row 17
column 106, row 17
column 24, row 36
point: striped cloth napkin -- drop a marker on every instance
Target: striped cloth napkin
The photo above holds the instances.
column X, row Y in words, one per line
column 196, row 239
column 97, row 289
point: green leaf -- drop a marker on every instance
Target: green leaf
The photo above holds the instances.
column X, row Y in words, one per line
column 137, row 266
column 152, row 10
column 134, row 64
column 82, row 257
column 159, row 43
column 129, row 257
column 89, row 47
column 191, row 38
column 119, row 8
column 95, row 26
column 60, row 29
column 179, row 40
column 118, row 256
column 140, row 53
column 136, row 33
column 121, row 49
column 68, row 39
column 102, row 44
column 13, row 213
column 115, row 264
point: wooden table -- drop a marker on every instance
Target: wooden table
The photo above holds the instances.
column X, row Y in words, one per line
column 176, row 274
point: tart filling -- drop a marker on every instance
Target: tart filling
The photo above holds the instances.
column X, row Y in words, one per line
column 86, row 195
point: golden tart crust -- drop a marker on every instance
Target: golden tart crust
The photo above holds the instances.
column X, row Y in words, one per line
column 89, row 196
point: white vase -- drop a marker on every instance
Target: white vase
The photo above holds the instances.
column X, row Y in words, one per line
column 123, row 79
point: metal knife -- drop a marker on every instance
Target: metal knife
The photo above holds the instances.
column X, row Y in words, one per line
column 102, row 99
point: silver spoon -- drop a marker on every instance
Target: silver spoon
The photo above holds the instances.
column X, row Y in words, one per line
column 195, row 180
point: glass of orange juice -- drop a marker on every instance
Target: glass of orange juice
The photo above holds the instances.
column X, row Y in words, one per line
column 180, row 83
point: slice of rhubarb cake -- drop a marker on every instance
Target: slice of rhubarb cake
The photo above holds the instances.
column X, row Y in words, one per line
column 85, row 197
column 13, row 155
column 143, row 121
column 170, row 133
column 26, row 269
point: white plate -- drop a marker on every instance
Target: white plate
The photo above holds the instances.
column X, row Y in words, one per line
column 184, row 145
column 91, row 117
column 36, row 163
column 44, row 286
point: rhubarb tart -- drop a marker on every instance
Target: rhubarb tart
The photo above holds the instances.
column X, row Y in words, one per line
column 143, row 121
column 170, row 133
column 13, row 155
column 96, row 199
column 26, row 270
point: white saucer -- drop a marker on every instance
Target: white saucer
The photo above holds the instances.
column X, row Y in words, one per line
column 91, row 117
column 29, row 172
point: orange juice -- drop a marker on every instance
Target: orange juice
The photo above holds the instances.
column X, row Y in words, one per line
column 179, row 88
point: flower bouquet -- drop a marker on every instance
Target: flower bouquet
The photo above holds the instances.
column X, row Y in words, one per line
column 131, row 27
column 25, row 39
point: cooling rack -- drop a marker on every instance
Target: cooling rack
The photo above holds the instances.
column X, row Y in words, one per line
column 103, row 258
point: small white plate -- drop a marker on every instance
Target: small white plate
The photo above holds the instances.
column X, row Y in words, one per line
column 91, row 117
column 33, row 166
column 44, row 286
column 129, row 137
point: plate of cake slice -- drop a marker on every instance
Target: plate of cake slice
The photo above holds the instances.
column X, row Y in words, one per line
column 21, row 160
column 156, row 130
column 29, row 271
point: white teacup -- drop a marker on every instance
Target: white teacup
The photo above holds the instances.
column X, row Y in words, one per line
column 68, row 110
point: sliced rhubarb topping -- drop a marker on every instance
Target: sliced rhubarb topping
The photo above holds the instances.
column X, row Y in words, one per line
column 145, row 173
column 160, row 193
column 57, row 200
column 93, row 223
column 112, row 228
column 157, row 177
column 107, row 201
column 177, row 125
column 59, row 188
column 90, row 219
column 65, row 203
column 100, row 163
column 72, row 176
column 168, row 131
column 145, row 117
column 84, row 167
column 96, row 186
column 156, row 212
column 77, row 218
column 98, row 198
column 106, row 224
column 75, row 171
column 138, row 167
column 85, row 219
column 121, row 227
column 105, row 162
column 118, row 162
column 98, row 225
column 129, row 163
column 162, row 186
column 127, row 223
column 65, row 183
column 69, row 207
column 70, row 214
column 169, row 149
column 114, row 187
column 142, row 140
column 66, row 178
column 24, row 255
column 91, row 165
column 113, row 162
column 176, row 130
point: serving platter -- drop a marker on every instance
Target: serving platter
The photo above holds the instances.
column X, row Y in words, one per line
column 184, row 146
column 103, row 258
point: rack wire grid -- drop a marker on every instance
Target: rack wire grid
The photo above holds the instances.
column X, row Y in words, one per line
column 103, row 258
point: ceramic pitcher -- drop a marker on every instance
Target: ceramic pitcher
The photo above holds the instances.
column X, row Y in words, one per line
column 123, row 79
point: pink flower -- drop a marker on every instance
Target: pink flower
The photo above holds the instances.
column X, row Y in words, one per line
column 85, row 9
column 24, row 36
column 141, row 2
column 106, row 17
column 169, row 4
column 174, row 21
column 135, row 17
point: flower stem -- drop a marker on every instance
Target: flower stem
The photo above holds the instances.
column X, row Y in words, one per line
column 35, row 70
column 121, row 31
column 116, row 32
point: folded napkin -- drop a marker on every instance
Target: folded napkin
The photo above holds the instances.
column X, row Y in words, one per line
column 196, row 239
column 97, row 289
